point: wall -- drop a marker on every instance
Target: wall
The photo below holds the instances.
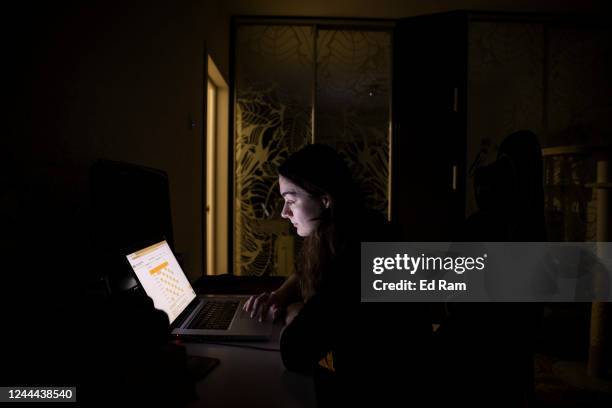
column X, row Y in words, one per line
column 120, row 82
column 116, row 81
column 398, row 8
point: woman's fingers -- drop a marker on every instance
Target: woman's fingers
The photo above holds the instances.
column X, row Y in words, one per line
column 258, row 304
column 248, row 304
column 271, row 306
column 265, row 308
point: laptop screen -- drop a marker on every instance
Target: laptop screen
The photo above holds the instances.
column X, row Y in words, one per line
column 162, row 278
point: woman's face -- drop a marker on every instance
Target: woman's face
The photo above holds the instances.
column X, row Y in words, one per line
column 300, row 207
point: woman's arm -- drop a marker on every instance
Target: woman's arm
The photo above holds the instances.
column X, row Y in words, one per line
column 290, row 289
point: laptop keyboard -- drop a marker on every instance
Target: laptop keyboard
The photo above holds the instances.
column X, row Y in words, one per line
column 215, row 315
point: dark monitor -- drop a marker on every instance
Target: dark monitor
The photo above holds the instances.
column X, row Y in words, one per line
column 131, row 204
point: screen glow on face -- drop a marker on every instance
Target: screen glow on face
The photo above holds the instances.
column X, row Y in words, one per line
column 302, row 209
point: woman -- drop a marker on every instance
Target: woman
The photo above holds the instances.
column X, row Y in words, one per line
column 328, row 333
column 320, row 202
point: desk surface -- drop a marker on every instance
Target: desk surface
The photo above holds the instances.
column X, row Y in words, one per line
column 248, row 377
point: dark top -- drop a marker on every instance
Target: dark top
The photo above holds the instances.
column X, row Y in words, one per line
column 370, row 342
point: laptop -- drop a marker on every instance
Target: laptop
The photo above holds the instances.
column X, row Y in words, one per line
column 213, row 317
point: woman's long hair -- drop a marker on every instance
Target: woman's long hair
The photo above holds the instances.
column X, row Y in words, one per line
column 319, row 170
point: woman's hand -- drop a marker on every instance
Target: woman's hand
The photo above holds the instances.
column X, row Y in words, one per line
column 275, row 302
column 268, row 302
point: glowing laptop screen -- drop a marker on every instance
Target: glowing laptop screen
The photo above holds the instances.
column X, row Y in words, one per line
column 162, row 278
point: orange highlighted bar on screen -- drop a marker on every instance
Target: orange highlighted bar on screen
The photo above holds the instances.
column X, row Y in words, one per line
column 147, row 250
column 158, row 268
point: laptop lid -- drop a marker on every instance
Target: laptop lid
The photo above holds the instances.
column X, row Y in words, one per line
column 162, row 278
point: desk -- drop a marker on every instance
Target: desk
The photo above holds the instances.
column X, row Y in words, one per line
column 248, row 377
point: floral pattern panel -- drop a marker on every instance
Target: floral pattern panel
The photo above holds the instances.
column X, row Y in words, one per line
column 352, row 105
column 273, row 110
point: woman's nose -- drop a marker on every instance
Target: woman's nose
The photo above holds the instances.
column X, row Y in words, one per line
column 286, row 213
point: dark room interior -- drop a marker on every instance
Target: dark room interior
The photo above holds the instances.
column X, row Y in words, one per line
column 132, row 122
